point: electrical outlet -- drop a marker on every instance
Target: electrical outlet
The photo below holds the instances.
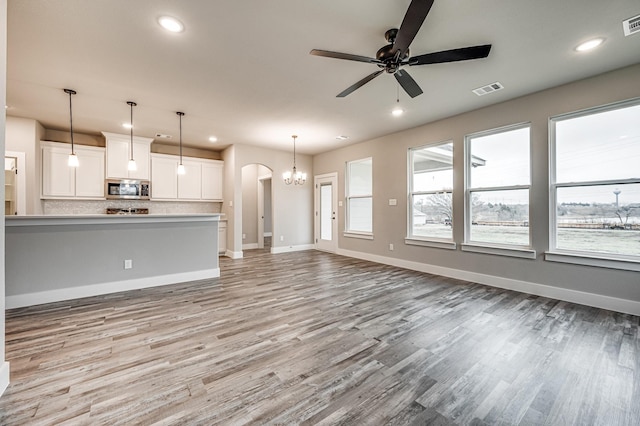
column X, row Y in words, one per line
column 244, row 236
column 391, row 246
column 281, row 237
column 128, row 264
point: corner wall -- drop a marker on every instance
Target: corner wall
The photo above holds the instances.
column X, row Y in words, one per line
column 390, row 181
column 4, row 366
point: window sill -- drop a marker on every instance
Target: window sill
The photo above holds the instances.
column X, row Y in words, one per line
column 522, row 253
column 360, row 235
column 448, row 245
column 600, row 261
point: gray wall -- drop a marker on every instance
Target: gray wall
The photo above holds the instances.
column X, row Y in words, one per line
column 390, row 181
column 292, row 204
column 43, row 258
column 250, row 204
column 267, row 206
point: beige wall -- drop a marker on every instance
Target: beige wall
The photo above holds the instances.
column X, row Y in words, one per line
column 250, row 204
column 390, row 181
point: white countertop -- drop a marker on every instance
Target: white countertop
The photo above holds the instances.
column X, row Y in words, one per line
column 102, row 219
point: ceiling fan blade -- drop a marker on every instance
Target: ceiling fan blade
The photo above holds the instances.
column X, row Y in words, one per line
column 347, row 56
column 413, row 19
column 408, row 83
column 359, row 84
column 463, row 54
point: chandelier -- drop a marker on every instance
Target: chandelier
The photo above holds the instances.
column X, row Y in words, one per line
column 294, row 176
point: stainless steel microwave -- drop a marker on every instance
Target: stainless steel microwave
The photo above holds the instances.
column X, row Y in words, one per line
column 127, row 189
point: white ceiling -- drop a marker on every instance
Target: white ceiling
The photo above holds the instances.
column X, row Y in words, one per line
column 241, row 70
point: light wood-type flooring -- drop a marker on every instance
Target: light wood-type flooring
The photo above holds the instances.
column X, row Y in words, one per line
column 315, row 338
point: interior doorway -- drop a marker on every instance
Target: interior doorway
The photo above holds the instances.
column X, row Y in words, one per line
column 14, row 184
column 257, row 208
column 325, row 202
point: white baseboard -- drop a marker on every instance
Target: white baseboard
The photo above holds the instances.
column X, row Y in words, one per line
column 289, row 249
column 234, row 254
column 29, row 299
column 250, row 246
column 4, row 377
column 267, row 234
column 568, row 295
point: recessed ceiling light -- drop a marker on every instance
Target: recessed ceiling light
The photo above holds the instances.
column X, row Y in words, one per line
column 342, row 137
column 588, row 45
column 127, row 125
column 397, row 112
column 213, row 139
column 171, row 24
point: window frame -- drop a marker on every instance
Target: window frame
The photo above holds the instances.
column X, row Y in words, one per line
column 580, row 257
column 512, row 250
column 348, row 232
column 422, row 240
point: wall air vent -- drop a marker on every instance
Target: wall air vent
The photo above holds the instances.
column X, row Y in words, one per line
column 489, row 88
column 631, row 25
column 161, row 136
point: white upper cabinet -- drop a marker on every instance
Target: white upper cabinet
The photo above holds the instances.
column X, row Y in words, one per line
column 61, row 181
column 119, row 154
column 212, row 180
column 202, row 180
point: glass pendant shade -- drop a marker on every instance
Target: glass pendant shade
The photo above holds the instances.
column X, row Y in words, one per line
column 73, row 160
column 131, row 166
column 181, row 169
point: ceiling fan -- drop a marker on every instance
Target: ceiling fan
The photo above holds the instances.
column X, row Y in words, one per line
column 392, row 57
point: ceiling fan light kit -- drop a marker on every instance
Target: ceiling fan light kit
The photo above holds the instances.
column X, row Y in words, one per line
column 392, row 57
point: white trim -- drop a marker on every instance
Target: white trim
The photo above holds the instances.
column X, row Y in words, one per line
column 233, row 254
column 523, row 253
column 289, row 249
column 593, row 260
column 568, row 295
column 107, row 219
column 362, row 236
column 250, row 246
column 29, row 299
column 268, row 234
column 4, row 377
column 448, row 245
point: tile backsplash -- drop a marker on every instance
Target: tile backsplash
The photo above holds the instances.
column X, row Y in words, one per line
column 80, row 207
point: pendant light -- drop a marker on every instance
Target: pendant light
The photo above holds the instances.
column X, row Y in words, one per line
column 181, row 169
column 73, row 158
column 294, row 176
column 132, row 163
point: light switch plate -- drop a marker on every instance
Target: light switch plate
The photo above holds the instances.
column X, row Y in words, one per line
column 393, row 202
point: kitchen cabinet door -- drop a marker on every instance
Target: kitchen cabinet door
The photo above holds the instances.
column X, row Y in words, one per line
column 119, row 154
column 212, row 173
column 190, row 183
column 90, row 173
column 58, row 179
column 164, row 177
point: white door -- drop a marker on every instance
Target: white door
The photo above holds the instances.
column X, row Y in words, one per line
column 326, row 222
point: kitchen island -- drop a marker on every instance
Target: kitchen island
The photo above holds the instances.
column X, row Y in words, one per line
column 54, row 258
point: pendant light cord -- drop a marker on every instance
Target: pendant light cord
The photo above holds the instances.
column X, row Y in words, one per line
column 294, row 151
column 180, row 114
column 71, row 92
column 131, row 104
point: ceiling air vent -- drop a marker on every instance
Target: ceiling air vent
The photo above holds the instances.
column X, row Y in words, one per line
column 631, row 25
column 161, row 136
column 489, row 88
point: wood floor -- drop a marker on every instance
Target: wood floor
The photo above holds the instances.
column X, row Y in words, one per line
column 314, row 338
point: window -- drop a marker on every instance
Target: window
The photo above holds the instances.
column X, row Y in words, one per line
column 498, row 181
column 430, row 192
column 595, row 182
column 360, row 196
